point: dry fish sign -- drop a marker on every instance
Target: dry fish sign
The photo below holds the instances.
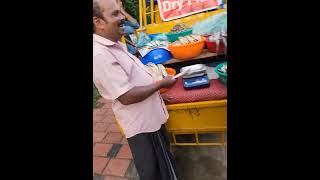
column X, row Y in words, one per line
column 175, row 9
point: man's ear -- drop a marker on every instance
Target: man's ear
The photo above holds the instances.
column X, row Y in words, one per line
column 97, row 22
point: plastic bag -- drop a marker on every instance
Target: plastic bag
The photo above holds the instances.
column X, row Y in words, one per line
column 211, row 25
column 143, row 39
column 161, row 37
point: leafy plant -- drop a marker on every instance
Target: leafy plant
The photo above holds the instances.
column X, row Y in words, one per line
column 132, row 7
column 96, row 96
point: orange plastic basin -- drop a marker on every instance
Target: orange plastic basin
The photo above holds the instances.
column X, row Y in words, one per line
column 187, row 51
column 171, row 72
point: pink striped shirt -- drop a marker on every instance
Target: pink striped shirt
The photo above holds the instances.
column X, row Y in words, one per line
column 116, row 71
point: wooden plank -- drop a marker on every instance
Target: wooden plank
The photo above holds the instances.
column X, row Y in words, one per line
column 205, row 54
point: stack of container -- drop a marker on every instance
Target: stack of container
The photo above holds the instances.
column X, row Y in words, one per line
column 195, row 76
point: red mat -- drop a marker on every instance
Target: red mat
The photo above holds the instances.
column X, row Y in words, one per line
column 216, row 91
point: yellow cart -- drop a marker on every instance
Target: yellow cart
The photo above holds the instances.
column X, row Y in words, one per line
column 197, row 118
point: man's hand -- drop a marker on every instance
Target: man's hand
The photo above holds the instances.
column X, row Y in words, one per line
column 128, row 16
column 167, row 82
column 121, row 7
column 140, row 93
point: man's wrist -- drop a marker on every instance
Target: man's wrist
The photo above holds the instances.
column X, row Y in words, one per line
column 158, row 84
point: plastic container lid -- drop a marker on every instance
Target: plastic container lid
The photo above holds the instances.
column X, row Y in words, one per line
column 196, row 82
column 157, row 56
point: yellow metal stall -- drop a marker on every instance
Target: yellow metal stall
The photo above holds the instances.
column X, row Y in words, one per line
column 197, row 118
column 206, row 117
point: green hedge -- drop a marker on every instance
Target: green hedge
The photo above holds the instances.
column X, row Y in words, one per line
column 132, row 7
column 96, row 96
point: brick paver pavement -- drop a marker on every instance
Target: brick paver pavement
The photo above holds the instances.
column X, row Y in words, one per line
column 112, row 158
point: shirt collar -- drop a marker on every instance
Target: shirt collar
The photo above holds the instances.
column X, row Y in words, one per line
column 102, row 40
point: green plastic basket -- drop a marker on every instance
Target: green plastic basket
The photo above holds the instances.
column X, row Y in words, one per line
column 222, row 76
column 172, row 37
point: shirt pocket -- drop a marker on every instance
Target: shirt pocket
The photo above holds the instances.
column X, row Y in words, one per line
column 140, row 77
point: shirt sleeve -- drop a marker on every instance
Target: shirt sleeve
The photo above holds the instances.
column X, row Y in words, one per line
column 111, row 75
column 128, row 30
column 133, row 25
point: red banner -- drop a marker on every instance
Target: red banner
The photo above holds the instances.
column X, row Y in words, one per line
column 175, row 9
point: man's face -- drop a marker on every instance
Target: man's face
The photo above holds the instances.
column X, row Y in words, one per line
column 112, row 26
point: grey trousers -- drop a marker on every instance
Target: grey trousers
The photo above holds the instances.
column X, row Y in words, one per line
column 152, row 156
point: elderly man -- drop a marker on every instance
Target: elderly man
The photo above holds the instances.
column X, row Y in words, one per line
column 136, row 101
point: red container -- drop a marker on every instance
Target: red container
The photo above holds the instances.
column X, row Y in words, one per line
column 212, row 46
